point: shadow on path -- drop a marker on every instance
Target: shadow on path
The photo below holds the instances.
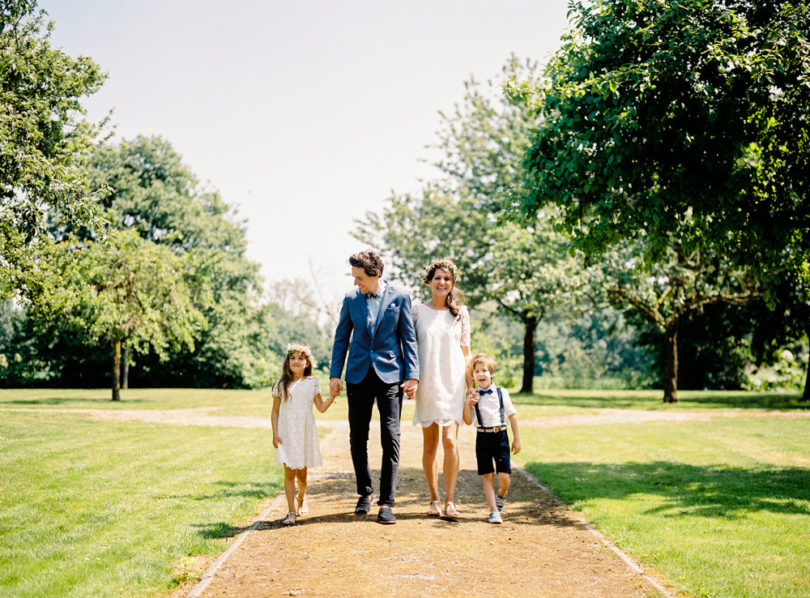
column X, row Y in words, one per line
column 542, row 549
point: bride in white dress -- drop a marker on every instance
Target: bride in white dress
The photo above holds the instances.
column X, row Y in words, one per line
column 443, row 336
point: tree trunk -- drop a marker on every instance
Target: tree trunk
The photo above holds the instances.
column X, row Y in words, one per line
column 530, row 323
column 116, row 370
column 671, row 367
column 806, row 394
column 125, row 366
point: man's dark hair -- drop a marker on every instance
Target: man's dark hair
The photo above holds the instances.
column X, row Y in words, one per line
column 369, row 261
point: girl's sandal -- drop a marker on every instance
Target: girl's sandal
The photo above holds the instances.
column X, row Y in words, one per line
column 289, row 519
column 435, row 509
column 303, row 508
column 450, row 511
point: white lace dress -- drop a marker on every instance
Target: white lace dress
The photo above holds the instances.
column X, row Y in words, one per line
column 442, row 365
column 296, row 426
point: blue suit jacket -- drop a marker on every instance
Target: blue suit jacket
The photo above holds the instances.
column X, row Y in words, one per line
column 389, row 346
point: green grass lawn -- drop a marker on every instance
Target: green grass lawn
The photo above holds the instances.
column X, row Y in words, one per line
column 216, row 401
column 92, row 508
column 652, row 399
column 722, row 508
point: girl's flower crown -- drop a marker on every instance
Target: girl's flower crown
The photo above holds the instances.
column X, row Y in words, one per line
column 299, row 348
column 446, row 264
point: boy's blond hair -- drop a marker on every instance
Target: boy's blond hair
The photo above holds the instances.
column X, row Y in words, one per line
column 485, row 359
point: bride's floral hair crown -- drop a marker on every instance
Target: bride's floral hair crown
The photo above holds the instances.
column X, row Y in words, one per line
column 299, row 348
column 444, row 263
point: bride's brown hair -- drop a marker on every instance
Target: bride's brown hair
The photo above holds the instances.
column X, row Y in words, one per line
column 454, row 296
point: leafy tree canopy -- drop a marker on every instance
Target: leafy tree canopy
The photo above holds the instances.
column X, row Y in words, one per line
column 684, row 119
column 151, row 190
column 122, row 289
column 44, row 138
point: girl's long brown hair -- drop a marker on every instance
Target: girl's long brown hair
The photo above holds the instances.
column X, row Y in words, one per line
column 283, row 383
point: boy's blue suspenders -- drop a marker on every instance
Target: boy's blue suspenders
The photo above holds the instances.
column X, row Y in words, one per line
column 500, row 401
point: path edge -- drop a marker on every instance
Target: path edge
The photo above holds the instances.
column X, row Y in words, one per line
column 208, row 576
column 621, row 554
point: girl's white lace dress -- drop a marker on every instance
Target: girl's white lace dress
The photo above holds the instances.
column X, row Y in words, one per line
column 296, row 426
column 442, row 366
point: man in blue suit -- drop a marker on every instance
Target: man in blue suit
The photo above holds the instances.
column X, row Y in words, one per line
column 376, row 329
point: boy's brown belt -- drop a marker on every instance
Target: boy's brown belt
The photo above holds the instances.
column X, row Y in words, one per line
column 495, row 429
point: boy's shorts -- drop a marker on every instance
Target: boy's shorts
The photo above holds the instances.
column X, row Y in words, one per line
column 489, row 446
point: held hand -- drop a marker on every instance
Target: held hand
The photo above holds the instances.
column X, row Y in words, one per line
column 409, row 387
column 472, row 396
column 335, row 387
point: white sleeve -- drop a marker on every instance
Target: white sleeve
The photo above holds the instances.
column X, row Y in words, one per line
column 508, row 407
column 465, row 326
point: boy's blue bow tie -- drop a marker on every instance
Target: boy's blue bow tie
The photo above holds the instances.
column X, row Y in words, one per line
column 488, row 391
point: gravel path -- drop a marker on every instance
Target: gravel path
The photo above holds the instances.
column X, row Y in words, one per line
column 542, row 549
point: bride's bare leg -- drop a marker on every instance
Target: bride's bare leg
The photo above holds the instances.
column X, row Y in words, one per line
column 430, row 447
column 451, row 460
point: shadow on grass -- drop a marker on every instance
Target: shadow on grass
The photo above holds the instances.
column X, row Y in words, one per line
column 79, row 401
column 688, row 399
column 713, row 491
column 250, row 490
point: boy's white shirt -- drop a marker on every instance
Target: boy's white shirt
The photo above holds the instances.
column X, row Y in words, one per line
column 491, row 410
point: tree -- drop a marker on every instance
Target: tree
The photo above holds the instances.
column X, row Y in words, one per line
column 684, row 120
column 679, row 126
column 151, row 191
column 20, row 364
column 600, row 348
column 524, row 272
column 148, row 189
column 668, row 291
column 123, row 290
column 44, row 139
column 460, row 215
column 788, row 322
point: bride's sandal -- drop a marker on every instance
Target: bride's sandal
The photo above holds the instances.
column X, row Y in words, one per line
column 450, row 511
column 435, row 509
column 289, row 519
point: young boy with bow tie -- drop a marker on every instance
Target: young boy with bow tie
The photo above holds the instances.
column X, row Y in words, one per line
column 489, row 409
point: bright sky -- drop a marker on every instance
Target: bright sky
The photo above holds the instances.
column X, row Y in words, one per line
column 304, row 114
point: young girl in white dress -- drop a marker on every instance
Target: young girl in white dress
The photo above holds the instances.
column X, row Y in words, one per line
column 294, row 434
column 443, row 337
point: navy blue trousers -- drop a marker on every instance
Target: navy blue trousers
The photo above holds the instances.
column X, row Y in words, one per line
column 361, row 398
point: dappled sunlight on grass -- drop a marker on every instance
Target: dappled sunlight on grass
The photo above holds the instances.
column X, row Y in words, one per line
column 722, row 506
column 652, row 399
column 86, row 502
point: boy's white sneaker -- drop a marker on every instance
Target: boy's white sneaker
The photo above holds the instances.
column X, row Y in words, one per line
column 500, row 503
column 495, row 517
